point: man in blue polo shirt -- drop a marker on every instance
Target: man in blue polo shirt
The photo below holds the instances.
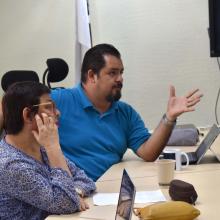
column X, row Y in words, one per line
column 96, row 128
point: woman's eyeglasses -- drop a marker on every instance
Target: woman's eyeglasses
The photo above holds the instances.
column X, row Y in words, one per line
column 48, row 105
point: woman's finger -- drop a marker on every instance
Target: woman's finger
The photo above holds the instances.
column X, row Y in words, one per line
column 45, row 119
column 38, row 121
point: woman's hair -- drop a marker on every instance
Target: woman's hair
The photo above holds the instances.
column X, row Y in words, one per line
column 17, row 97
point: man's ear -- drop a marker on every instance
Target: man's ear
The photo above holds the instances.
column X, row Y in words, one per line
column 92, row 76
column 28, row 115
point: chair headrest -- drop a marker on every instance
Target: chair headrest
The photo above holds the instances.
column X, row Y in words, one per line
column 57, row 69
column 13, row 76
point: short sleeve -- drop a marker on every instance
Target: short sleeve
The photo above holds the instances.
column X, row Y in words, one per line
column 138, row 133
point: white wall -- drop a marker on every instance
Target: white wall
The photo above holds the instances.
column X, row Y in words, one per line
column 161, row 42
column 34, row 30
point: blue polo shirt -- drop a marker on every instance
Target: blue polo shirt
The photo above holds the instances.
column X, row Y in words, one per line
column 94, row 141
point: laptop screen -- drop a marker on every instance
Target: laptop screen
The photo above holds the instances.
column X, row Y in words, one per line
column 206, row 143
column 126, row 198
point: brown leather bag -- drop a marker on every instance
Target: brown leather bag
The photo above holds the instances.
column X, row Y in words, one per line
column 182, row 191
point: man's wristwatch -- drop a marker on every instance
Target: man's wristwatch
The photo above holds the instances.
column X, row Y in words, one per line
column 166, row 121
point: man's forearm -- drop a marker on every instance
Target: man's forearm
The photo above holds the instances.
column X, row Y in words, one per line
column 151, row 149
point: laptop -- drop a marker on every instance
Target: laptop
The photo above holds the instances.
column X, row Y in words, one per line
column 215, row 148
column 126, row 198
column 196, row 156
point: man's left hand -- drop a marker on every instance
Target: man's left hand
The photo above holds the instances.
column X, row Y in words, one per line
column 178, row 105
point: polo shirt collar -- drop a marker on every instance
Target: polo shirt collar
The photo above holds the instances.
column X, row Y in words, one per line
column 83, row 97
column 87, row 103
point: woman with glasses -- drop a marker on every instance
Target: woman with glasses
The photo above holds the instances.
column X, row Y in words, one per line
column 36, row 180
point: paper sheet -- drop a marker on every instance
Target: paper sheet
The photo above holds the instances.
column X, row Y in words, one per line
column 141, row 197
column 149, row 196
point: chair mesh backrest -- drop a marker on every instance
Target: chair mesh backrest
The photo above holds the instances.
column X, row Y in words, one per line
column 13, row 76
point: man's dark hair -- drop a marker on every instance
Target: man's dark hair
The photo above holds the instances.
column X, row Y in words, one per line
column 17, row 97
column 94, row 59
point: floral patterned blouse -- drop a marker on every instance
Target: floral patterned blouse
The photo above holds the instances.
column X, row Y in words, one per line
column 32, row 190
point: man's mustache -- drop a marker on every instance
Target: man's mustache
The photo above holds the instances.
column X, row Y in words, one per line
column 119, row 85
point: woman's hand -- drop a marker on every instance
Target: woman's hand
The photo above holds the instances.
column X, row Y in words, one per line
column 47, row 134
column 83, row 205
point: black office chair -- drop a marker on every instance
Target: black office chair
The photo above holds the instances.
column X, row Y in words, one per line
column 13, row 76
column 57, row 71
